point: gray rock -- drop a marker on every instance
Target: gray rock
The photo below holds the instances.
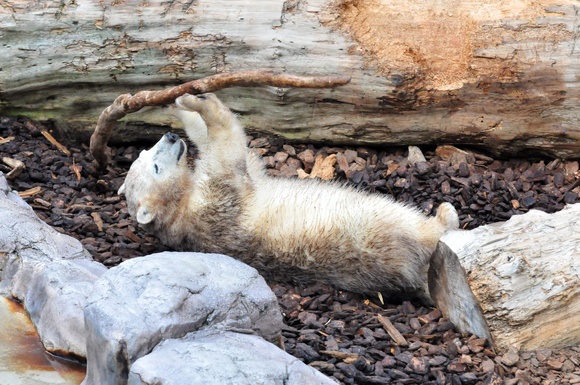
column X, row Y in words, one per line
column 143, row 301
column 25, row 241
column 55, row 302
column 51, row 273
column 222, row 358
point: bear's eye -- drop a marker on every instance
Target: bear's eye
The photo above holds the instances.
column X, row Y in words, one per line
column 156, row 169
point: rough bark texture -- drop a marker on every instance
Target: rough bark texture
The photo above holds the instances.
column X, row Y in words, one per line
column 502, row 74
column 526, row 274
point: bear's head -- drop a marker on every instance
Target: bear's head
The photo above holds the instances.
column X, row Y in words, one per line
column 156, row 179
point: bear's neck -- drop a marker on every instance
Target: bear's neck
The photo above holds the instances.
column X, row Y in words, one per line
column 205, row 217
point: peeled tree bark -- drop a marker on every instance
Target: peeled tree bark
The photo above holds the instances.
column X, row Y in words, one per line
column 499, row 74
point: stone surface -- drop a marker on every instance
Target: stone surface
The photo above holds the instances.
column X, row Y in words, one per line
column 25, row 241
column 166, row 296
column 55, row 302
column 222, row 358
column 23, row 360
column 49, row 272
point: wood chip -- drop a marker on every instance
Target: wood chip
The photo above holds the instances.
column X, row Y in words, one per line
column 16, row 165
column 339, row 355
column 30, row 192
column 42, row 202
column 129, row 234
column 323, row 168
column 77, row 170
column 51, row 139
column 6, row 140
column 392, row 331
column 98, row 220
column 380, row 295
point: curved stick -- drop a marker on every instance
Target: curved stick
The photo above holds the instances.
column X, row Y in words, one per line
column 127, row 103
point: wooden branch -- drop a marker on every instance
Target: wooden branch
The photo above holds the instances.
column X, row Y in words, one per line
column 55, row 142
column 128, row 103
column 393, row 332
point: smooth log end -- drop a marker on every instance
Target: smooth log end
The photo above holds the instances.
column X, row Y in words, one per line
column 449, row 289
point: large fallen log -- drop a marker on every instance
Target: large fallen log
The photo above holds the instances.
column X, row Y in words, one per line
column 500, row 75
column 526, row 274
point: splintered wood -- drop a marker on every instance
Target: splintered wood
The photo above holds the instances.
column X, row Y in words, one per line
column 76, row 169
column 346, row 357
column 392, row 331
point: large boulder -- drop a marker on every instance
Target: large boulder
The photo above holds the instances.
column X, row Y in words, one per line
column 216, row 358
column 25, row 241
column 144, row 301
column 49, row 272
column 55, row 302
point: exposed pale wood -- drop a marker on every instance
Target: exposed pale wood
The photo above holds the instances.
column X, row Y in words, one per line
column 499, row 73
column 324, row 169
column 526, row 274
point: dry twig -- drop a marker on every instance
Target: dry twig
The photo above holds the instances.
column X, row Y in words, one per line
column 16, row 165
column 392, row 331
column 30, row 192
column 127, row 103
column 55, row 142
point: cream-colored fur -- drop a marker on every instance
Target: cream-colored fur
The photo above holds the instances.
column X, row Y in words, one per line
column 289, row 229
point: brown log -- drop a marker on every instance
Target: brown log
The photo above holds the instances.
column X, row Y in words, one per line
column 501, row 74
column 127, row 103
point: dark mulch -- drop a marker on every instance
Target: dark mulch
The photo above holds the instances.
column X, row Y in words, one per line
column 337, row 332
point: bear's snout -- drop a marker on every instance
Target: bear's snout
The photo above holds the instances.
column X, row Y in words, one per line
column 171, row 137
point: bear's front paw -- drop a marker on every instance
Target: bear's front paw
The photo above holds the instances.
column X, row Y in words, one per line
column 195, row 103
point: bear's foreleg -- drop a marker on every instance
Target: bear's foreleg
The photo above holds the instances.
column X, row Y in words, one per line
column 220, row 137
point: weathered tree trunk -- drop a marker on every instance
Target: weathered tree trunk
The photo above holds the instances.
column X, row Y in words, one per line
column 501, row 74
column 526, row 274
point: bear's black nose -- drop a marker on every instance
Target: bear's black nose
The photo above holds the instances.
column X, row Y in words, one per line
column 171, row 137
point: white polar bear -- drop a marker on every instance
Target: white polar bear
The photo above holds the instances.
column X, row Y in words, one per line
column 288, row 229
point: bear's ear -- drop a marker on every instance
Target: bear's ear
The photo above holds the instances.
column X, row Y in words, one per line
column 144, row 215
column 121, row 189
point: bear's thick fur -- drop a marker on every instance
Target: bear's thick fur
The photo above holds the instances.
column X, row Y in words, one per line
column 288, row 229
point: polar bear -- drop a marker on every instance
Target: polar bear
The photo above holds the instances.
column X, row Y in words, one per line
column 288, row 229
